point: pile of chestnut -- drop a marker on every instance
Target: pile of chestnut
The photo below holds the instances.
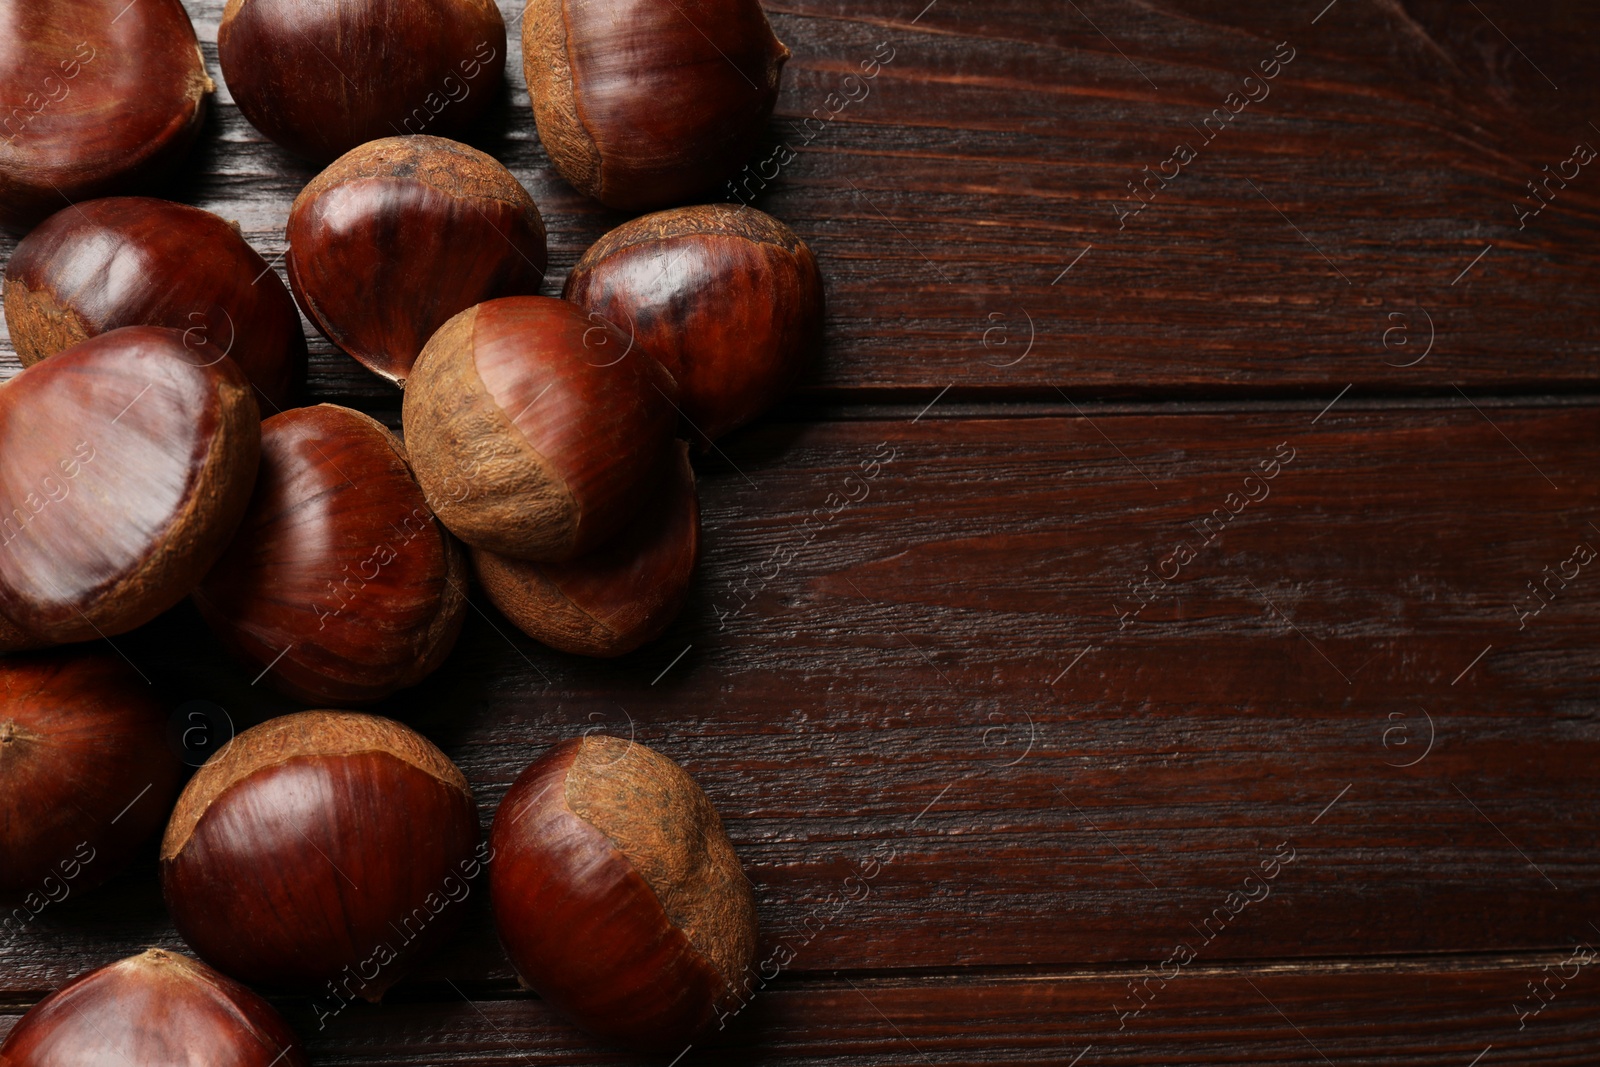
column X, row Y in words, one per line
column 153, row 450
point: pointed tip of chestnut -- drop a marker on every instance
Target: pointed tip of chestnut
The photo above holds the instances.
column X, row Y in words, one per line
column 622, row 595
column 655, row 106
column 340, row 586
column 534, row 430
column 729, row 299
column 86, row 774
column 126, row 463
column 137, row 261
column 101, row 97
column 400, row 234
column 610, row 855
column 154, row 1008
column 320, row 78
column 321, row 851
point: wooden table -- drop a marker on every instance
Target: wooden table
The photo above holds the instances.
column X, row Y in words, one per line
column 1125, row 648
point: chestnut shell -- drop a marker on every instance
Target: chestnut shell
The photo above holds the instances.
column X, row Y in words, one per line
column 618, row 896
column 86, row 775
column 618, row 597
column 642, row 103
column 126, row 463
column 729, row 299
column 308, row 852
column 152, row 1010
column 100, row 97
column 534, row 430
column 339, row 562
column 401, row 234
column 322, row 76
column 137, row 261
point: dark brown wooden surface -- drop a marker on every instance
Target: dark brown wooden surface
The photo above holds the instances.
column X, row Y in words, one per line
column 944, row 674
column 1391, row 1014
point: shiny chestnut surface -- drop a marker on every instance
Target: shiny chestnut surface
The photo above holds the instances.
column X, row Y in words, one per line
column 339, row 579
column 533, row 429
column 99, row 97
column 322, row 76
column 618, row 896
column 728, row 298
column 642, row 104
column 325, row 852
column 86, row 775
column 126, row 463
column 401, row 234
column 157, row 1009
column 137, row 261
column 618, row 597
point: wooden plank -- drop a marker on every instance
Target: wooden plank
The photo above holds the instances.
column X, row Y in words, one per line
column 904, row 683
column 1361, row 214
column 1430, row 1014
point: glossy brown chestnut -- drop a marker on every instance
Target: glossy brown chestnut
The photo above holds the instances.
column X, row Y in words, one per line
column 320, row 78
column 135, row 261
column 534, row 430
column 340, row 587
column 126, row 463
column 403, row 233
column 642, row 104
column 324, row 851
column 618, row 896
column 86, row 775
column 96, row 97
column 727, row 298
column 618, row 597
column 158, row 1009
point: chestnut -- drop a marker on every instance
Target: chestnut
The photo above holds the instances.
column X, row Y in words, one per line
column 727, row 298
column 135, row 261
column 85, row 773
column 152, row 1010
column 339, row 586
column 99, row 97
column 403, row 233
column 126, row 463
column 320, row 78
column 321, row 851
column 618, row 597
column 642, row 104
column 618, row 896
column 533, row 430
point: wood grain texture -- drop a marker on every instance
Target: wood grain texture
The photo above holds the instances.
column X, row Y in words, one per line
column 1393, row 1015
column 906, row 685
column 946, row 200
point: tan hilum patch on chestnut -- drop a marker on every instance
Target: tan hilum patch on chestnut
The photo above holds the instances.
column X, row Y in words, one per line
column 548, row 70
column 452, row 168
column 725, row 220
column 199, row 83
column 11, row 732
column 504, row 483
column 176, row 967
column 660, row 820
column 306, row 735
column 40, row 325
column 523, row 592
